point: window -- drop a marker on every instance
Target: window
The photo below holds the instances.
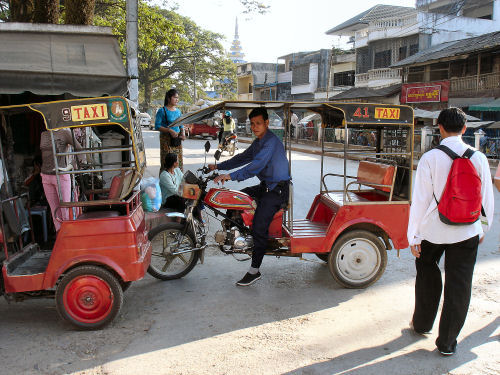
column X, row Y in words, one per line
column 344, row 78
column 300, row 75
column 416, row 74
column 439, row 71
column 382, row 59
column 363, row 62
column 413, row 49
column 250, row 88
column 486, row 64
column 402, row 53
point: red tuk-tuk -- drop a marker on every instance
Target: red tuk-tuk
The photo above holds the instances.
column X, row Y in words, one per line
column 103, row 246
column 353, row 219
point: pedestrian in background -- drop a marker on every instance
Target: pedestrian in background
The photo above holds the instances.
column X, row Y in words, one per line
column 170, row 137
column 429, row 237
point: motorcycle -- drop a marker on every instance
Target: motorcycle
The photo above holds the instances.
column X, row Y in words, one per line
column 229, row 144
column 177, row 246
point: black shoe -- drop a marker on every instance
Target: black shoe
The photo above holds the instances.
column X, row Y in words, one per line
column 421, row 333
column 249, row 279
column 446, row 352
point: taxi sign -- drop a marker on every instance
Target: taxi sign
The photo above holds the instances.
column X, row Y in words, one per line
column 89, row 112
column 387, row 113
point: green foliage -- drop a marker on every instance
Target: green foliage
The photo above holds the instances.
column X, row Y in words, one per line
column 171, row 48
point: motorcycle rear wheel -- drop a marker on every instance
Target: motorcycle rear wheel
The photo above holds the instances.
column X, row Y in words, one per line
column 231, row 148
column 166, row 239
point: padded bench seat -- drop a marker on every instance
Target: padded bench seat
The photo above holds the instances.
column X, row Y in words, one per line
column 338, row 197
column 98, row 215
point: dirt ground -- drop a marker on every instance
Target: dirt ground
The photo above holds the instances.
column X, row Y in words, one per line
column 296, row 320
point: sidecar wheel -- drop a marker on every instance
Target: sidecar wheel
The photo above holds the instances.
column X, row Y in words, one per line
column 89, row 297
column 165, row 239
column 358, row 259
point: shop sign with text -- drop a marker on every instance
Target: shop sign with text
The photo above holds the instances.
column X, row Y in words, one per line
column 425, row 92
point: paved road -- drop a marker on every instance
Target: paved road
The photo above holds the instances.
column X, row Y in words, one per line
column 296, row 320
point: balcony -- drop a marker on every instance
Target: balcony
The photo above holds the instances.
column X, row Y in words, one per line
column 473, row 84
column 378, row 78
column 393, row 27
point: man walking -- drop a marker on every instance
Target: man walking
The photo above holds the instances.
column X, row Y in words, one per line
column 266, row 159
column 429, row 237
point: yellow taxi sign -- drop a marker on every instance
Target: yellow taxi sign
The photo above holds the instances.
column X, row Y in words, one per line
column 89, row 112
column 387, row 113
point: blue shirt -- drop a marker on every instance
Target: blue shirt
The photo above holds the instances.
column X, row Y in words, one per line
column 265, row 158
column 171, row 116
column 169, row 184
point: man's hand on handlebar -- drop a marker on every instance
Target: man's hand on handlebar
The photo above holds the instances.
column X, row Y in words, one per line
column 221, row 178
column 212, row 167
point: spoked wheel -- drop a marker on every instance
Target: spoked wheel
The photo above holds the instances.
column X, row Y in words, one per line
column 89, row 297
column 167, row 239
column 231, row 149
column 358, row 259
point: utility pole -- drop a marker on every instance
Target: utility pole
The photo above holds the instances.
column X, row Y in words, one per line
column 194, row 81
column 132, row 62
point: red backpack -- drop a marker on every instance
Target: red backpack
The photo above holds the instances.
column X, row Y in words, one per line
column 460, row 203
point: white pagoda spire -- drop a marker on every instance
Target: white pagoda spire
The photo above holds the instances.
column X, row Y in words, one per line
column 235, row 54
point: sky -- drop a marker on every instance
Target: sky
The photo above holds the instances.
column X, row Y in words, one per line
column 289, row 26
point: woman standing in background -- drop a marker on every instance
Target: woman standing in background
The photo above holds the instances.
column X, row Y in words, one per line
column 62, row 139
column 170, row 137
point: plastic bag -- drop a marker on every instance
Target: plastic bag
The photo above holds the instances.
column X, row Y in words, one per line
column 150, row 194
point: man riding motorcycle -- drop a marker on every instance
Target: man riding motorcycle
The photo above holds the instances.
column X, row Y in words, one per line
column 228, row 126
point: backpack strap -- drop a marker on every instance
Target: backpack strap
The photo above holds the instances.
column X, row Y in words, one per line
column 448, row 151
column 468, row 153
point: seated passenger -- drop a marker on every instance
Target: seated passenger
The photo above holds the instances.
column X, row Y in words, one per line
column 170, row 180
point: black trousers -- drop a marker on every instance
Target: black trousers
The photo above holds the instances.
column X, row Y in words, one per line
column 459, row 262
column 268, row 203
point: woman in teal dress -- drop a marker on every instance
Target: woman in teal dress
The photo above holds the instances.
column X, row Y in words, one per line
column 164, row 117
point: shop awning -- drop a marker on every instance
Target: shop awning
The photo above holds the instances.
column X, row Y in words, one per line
column 494, row 105
column 422, row 113
column 84, row 61
column 478, row 124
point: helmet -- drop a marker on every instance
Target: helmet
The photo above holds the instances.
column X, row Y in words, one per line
column 228, row 114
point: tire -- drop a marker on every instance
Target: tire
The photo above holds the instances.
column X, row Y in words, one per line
column 89, row 297
column 323, row 257
column 177, row 266
column 125, row 285
column 214, row 137
column 231, row 149
column 358, row 259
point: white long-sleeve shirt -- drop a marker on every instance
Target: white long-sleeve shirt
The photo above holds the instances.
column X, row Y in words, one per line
column 431, row 177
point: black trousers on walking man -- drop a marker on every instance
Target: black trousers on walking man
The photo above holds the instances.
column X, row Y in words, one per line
column 459, row 262
column 268, row 203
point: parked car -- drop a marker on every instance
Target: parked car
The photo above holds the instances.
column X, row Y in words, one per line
column 201, row 129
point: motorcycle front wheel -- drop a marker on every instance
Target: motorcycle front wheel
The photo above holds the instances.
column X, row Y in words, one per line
column 168, row 260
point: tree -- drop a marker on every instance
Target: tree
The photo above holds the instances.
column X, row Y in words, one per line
column 79, row 12
column 252, row 6
column 46, row 11
column 17, row 10
column 170, row 49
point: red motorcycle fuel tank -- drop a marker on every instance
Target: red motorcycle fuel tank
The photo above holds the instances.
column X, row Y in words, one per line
column 229, row 199
column 236, row 200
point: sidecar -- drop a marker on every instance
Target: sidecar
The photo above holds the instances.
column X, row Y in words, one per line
column 355, row 218
column 102, row 244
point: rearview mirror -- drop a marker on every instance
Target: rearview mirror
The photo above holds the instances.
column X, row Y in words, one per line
column 217, row 155
column 207, row 146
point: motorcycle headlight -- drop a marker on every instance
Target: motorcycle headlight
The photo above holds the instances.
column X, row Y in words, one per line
column 189, row 191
